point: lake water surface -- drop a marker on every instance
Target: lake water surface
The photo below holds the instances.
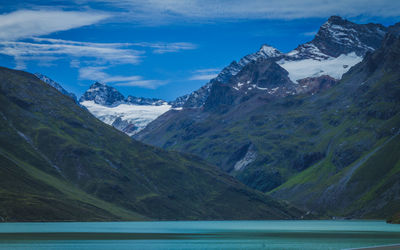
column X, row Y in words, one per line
column 199, row 235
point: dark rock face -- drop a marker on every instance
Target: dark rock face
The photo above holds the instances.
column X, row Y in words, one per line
column 221, row 96
column 315, row 84
column 263, row 73
column 102, row 94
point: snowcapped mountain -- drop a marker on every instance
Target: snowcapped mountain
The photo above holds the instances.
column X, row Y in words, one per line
column 338, row 45
column 56, row 86
column 338, row 36
column 129, row 115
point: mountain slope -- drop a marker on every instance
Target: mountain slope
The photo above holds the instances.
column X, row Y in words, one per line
column 301, row 145
column 58, row 162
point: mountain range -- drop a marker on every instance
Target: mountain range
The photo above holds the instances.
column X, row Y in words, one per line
column 338, row 45
column 318, row 126
column 312, row 132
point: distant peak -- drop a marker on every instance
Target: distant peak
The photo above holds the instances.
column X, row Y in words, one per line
column 269, row 50
column 102, row 94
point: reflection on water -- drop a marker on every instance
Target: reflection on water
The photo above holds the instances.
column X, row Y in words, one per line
column 199, row 235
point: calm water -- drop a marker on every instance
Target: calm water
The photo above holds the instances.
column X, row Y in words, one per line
column 199, row 235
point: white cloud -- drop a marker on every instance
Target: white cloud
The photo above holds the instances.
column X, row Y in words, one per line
column 48, row 50
column 161, row 48
column 28, row 23
column 164, row 11
column 98, row 74
column 204, row 74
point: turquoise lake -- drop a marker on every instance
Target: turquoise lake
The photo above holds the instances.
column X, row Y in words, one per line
column 199, row 235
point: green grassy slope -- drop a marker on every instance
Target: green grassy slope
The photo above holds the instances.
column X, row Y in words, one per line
column 58, row 162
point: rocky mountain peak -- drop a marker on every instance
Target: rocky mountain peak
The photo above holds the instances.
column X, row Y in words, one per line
column 269, row 51
column 339, row 36
column 102, row 94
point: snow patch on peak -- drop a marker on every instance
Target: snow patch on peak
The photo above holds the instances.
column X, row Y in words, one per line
column 135, row 116
column 334, row 67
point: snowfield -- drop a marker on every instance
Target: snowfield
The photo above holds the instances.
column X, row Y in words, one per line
column 139, row 115
column 334, row 67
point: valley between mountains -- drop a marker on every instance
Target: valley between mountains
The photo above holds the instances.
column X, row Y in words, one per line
column 312, row 133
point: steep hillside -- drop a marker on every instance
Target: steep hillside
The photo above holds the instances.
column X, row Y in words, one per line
column 360, row 175
column 58, row 162
column 309, row 146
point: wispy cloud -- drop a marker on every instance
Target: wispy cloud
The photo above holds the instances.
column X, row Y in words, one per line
column 27, row 23
column 165, row 11
column 204, row 74
column 161, row 48
column 48, row 50
column 51, row 50
column 99, row 74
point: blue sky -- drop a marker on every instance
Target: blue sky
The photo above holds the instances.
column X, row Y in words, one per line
column 160, row 48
